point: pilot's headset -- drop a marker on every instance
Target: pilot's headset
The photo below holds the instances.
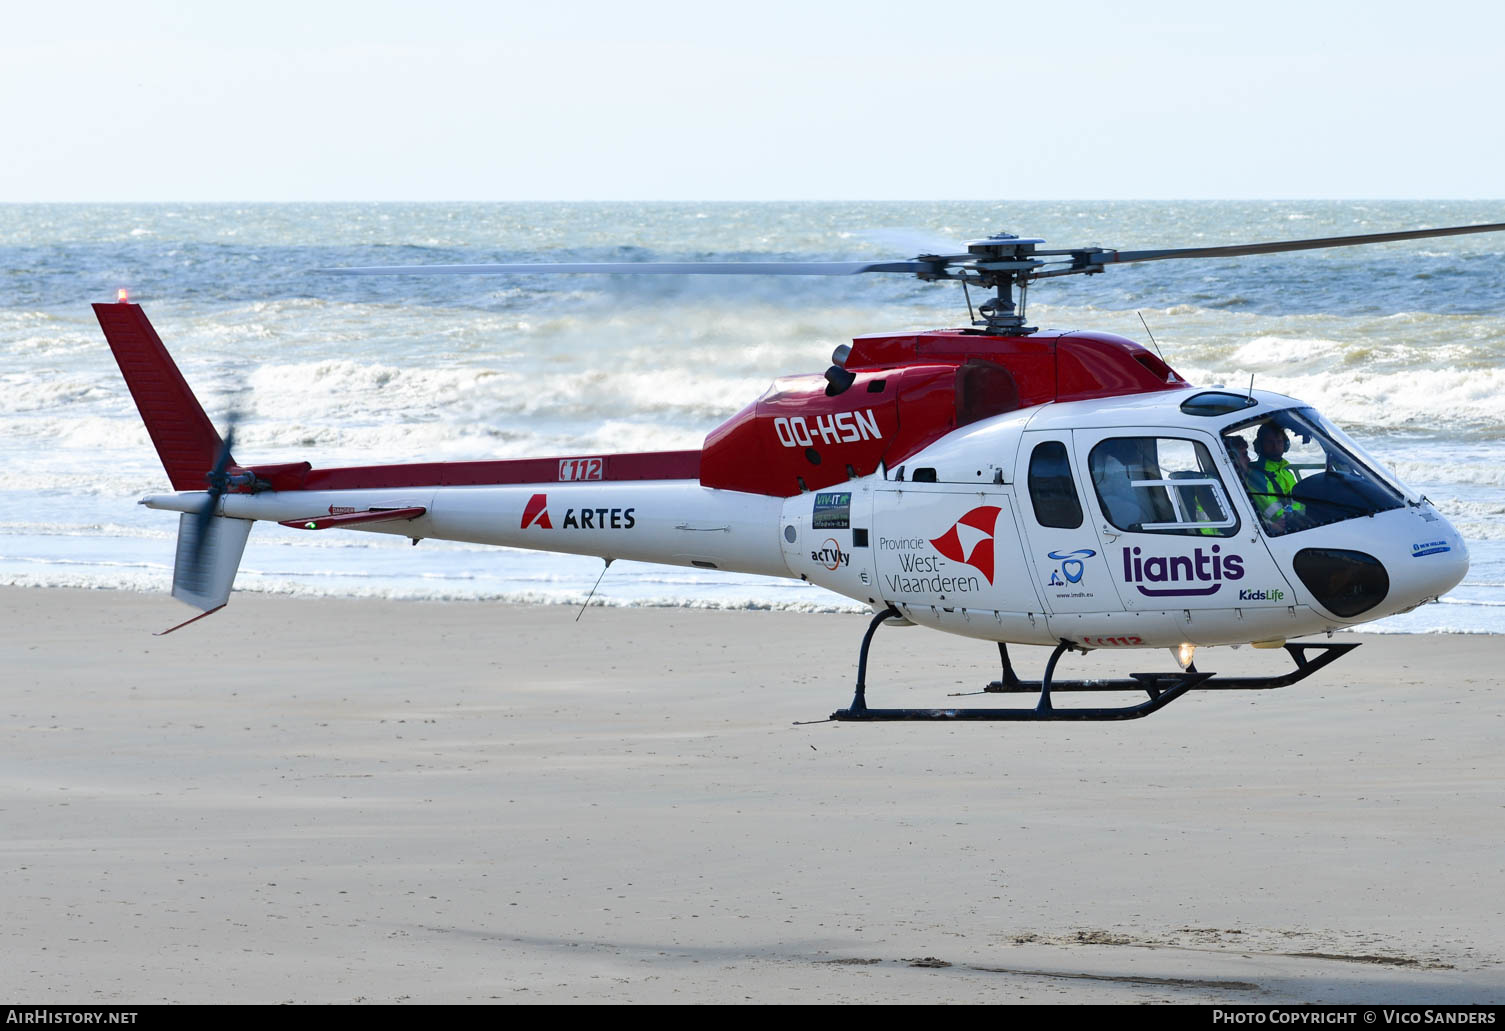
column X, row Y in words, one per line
column 1271, row 427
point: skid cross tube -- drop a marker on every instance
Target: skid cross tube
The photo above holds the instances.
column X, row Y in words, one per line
column 1305, row 667
column 1162, row 688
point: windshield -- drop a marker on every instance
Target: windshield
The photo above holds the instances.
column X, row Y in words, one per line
column 1298, row 476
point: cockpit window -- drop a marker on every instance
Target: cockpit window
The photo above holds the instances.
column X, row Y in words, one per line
column 1299, row 476
column 1161, row 485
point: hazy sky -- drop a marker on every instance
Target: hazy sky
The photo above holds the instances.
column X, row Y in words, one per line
column 579, row 100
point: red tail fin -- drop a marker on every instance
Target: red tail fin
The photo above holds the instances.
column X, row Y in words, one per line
column 185, row 438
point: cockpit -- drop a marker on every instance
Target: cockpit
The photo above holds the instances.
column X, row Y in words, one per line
column 1301, row 472
column 1297, row 470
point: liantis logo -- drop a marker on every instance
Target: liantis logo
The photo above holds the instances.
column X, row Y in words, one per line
column 970, row 541
column 1184, row 576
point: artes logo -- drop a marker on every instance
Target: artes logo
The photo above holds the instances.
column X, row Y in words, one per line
column 970, row 541
column 537, row 512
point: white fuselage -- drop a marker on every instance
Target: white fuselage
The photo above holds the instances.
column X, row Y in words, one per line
column 965, row 549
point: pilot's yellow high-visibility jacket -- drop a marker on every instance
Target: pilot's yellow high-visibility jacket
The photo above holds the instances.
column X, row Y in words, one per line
column 1271, row 481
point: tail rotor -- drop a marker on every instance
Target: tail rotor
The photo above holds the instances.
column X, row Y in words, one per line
column 210, row 545
column 219, row 481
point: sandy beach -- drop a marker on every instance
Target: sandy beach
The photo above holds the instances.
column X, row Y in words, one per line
column 339, row 801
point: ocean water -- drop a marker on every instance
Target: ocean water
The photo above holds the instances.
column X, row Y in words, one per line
column 1403, row 346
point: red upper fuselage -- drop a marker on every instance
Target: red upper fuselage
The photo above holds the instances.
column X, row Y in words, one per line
column 910, row 390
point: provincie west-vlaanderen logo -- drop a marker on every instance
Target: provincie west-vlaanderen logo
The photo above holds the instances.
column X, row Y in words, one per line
column 970, row 540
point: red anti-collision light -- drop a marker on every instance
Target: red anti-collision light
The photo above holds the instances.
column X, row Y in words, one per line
column 120, row 296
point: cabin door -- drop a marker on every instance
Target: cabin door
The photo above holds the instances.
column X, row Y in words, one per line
column 1071, row 573
column 1173, row 536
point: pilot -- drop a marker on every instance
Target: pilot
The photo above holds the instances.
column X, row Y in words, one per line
column 1238, row 454
column 1271, row 479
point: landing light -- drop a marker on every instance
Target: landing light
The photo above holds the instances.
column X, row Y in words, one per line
column 1185, row 654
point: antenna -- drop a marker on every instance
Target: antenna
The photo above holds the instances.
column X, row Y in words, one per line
column 592, row 594
column 1146, row 326
column 1251, row 386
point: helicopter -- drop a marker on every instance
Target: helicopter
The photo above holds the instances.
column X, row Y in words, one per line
column 996, row 481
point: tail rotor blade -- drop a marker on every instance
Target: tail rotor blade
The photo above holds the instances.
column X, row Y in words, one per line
column 219, row 482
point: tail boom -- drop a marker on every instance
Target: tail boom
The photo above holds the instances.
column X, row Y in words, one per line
column 676, row 522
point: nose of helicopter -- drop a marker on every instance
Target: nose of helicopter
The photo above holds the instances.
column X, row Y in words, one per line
column 1430, row 566
column 1408, row 559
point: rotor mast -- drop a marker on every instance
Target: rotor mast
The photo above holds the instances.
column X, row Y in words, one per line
column 999, row 263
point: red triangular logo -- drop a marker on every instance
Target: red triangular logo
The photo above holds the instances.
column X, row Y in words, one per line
column 537, row 512
column 980, row 523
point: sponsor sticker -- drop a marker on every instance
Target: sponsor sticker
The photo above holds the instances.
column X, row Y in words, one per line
column 1071, row 568
column 581, row 469
column 831, row 556
column 536, row 513
column 970, row 540
column 925, row 566
column 1181, row 576
column 1430, row 548
column 832, row 511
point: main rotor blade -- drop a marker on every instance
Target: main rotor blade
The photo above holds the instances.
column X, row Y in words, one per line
column 1237, row 250
column 911, row 240
column 649, row 268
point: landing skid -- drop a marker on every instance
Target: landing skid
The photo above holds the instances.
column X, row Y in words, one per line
column 1011, row 684
column 1162, row 688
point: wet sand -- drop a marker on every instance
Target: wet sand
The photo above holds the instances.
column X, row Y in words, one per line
column 336, row 801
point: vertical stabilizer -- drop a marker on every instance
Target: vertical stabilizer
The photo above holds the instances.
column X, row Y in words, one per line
column 205, row 571
column 185, row 439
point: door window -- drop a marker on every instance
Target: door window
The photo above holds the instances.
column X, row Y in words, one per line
column 1051, row 488
column 1161, row 485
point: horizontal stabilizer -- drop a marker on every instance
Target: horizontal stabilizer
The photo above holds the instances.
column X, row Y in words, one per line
column 374, row 515
column 203, row 575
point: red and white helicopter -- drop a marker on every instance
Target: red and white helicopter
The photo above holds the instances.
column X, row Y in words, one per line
column 1063, row 489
